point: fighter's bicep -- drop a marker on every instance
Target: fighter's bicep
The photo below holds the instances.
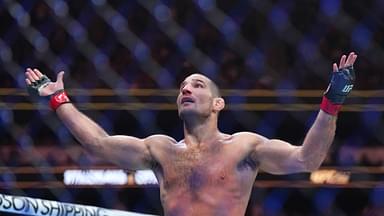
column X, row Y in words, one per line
column 126, row 151
column 278, row 157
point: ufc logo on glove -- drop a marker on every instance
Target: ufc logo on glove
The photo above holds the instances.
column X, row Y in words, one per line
column 347, row 88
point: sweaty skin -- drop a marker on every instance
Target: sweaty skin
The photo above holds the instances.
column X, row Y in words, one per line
column 208, row 172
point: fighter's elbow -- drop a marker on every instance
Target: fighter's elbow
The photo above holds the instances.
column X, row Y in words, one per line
column 310, row 162
column 310, row 167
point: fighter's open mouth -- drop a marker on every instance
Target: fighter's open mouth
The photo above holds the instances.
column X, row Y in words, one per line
column 187, row 99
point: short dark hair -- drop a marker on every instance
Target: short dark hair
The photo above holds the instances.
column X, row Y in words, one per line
column 214, row 88
column 188, row 70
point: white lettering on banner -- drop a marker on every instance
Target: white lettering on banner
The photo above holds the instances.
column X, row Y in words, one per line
column 30, row 206
column 38, row 207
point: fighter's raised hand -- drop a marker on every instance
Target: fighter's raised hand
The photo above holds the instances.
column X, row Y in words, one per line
column 345, row 62
column 341, row 84
column 39, row 84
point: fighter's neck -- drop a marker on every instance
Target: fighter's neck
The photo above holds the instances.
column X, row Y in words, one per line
column 200, row 133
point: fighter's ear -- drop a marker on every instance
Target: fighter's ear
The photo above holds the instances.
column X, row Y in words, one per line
column 218, row 104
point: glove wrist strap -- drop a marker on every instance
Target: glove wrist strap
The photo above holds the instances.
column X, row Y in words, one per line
column 57, row 99
column 329, row 107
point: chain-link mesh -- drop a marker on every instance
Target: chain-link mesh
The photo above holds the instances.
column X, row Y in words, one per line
column 124, row 61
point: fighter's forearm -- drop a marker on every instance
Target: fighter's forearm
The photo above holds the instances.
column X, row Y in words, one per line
column 318, row 140
column 86, row 131
column 322, row 133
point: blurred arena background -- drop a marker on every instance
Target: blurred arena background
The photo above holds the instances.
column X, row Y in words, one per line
column 124, row 60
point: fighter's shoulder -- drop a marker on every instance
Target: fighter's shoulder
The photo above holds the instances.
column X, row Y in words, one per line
column 246, row 137
column 160, row 139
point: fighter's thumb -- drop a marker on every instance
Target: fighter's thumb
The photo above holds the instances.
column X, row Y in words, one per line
column 60, row 76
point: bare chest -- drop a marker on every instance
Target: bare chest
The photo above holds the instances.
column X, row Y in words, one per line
column 196, row 169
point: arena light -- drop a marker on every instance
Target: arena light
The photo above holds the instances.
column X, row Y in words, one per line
column 329, row 177
column 95, row 177
column 108, row 177
column 145, row 177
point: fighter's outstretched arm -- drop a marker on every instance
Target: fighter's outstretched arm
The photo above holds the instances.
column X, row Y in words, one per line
column 127, row 151
column 279, row 157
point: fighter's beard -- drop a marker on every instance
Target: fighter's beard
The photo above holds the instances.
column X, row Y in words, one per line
column 193, row 117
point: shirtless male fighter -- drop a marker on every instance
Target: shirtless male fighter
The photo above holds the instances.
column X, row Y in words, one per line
column 208, row 172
